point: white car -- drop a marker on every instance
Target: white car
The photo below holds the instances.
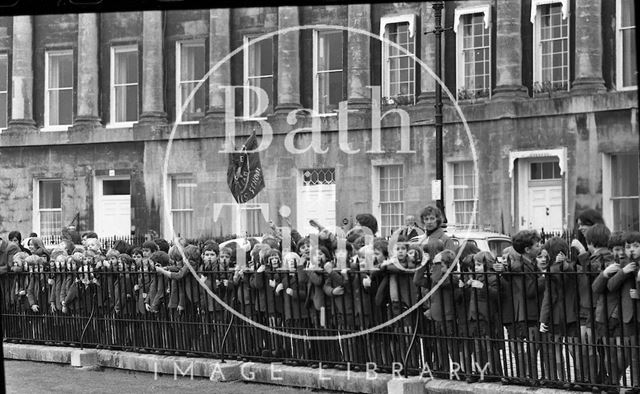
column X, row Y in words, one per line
column 484, row 240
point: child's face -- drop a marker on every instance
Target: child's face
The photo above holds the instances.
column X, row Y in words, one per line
column 137, row 258
column 304, row 249
column 113, row 261
column 31, row 246
column 411, row 254
column 618, row 251
column 210, row 256
column 478, row 266
column 224, row 259
column 542, row 260
column 534, row 250
column 401, row 251
column 319, row 256
column 88, row 260
column 377, row 253
column 274, row 261
column 632, row 250
column 146, row 253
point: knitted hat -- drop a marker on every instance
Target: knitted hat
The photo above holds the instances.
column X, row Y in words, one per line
column 369, row 221
column 160, row 257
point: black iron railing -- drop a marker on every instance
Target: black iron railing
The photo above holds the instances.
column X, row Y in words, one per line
column 566, row 328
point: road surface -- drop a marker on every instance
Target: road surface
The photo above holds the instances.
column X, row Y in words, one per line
column 31, row 377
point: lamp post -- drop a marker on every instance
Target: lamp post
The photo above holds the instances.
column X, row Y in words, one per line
column 437, row 8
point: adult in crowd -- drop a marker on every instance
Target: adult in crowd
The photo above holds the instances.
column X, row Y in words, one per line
column 7, row 251
column 16, row 238
column 431, row 219
column 587, row 219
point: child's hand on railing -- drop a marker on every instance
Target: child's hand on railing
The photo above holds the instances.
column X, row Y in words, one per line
column 544, row 327
column 629, row 268
column 35, row 308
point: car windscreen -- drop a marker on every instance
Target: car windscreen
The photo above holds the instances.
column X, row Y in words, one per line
column 498, row 245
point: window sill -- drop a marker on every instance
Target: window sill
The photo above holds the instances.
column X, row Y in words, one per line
column 325, row 115
column 474, row 100
column 119, row 125
column 248, row 119
column 627, row 88
column 55, row 128
column 187, row 122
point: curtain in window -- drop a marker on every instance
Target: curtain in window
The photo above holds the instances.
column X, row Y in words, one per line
column 50, row 204
column 192, row 69
column 4, row 76
column 60, row 82
column 391, row 199
column 624, row 193
column 126, row 86
column 182, row 205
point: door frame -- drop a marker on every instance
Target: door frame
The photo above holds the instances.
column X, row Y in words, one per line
column 520, row 186
column 97, row 195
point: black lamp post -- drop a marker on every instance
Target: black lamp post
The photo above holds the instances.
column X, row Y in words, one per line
column 437, row 8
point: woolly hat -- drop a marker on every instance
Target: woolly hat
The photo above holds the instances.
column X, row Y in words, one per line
column 160, row 257
column 58, row 252
column 369, row 221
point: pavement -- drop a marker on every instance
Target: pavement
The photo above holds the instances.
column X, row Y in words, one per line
column 36, row 378
column 157, row 373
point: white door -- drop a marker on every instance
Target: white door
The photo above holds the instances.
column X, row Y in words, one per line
column 316, row 199
column 112, row 207
column 545, row 208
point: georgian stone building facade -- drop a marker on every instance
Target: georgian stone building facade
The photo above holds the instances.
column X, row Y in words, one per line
column 548, row 89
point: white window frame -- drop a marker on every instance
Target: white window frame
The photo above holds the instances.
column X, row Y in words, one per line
column 246, row 102
column 171, row 209
column 537, row 54
column 6, row 109
column 619, row 49
column 179, row 46
column 112, row 88
column 388, row 20
column 376, row 204
column 485, row 10
column 47, row 55
column 36, row 203
column 607, row 195
column 449, row 191
column 316, row 72
column 243, row 210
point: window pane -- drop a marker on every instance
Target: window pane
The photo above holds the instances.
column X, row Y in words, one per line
column 625, row 214
column 60, row 70
column 628, row 17
column 624, row 177
column 50, row 223
column 126, row 67
column 118, row 187
column 463, row 192
column 475, row 55
column 192, row 62
column 126, row 103
column 195, row 108
column 3, row 110
column 4, row 73
column 391, row 199
column 629, row 65
column 50, row 194
column 261, row 58
column 182, row 190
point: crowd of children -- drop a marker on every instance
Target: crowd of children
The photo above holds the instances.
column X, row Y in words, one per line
column 540, row 311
